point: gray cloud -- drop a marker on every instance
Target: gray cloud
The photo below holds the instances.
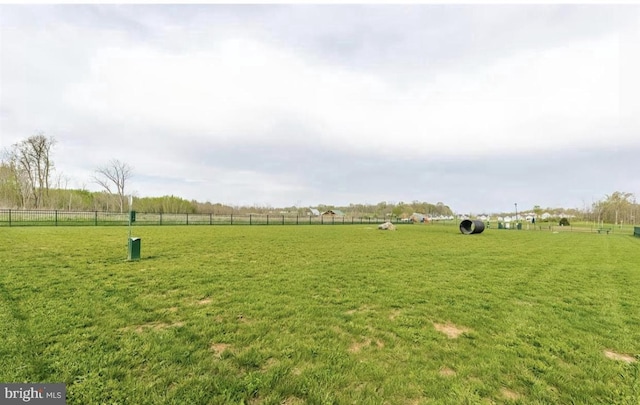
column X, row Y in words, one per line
column 475, row 106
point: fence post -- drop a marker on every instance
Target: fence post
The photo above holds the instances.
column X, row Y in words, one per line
column 9, row 218
column 250, row 219
column 296, row 219
column 161, row 218
column 231, row 219
column 283, row 220
column 187, row 218
column 210, row 219
column 267, row 219
column 55, row 215
column 95, row 218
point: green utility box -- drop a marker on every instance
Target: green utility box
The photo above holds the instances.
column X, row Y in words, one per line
column 519, row 226
column 500, row 226
column 134, row 248
column 132, row 216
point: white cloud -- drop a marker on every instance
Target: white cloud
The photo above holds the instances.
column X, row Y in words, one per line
column 241, row 90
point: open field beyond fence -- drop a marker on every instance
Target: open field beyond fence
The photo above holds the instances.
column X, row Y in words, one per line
column 322, row 315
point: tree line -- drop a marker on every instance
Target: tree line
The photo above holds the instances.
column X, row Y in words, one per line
column 28, row 181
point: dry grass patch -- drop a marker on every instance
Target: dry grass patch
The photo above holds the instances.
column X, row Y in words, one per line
column 620, row 357
column 447, row 372
column 271, row 362
column 219, row 348
column 364, row 308
column 509, row 394
column 394, row 314
column 452, row 331
column 358, row 346
column 204, row 301
column 156, row 326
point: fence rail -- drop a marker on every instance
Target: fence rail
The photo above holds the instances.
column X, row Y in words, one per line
column 10, row 217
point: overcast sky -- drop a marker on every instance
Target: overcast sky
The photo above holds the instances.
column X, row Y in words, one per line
column 476, row 106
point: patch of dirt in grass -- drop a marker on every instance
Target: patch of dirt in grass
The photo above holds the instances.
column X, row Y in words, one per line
column 509, row 395
column 363, row 308
column 173, row 309
column 358, row 346
column 153, row 326
column 204, row 301
column 219, row 348
column 452, row 331
column 447, row 372
column 394, row 314
column 619, row 356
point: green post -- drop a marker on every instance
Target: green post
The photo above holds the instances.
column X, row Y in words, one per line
column 133, row 244
column 134, row 249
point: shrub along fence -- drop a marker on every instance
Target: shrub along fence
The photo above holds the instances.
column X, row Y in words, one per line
column 99, row 218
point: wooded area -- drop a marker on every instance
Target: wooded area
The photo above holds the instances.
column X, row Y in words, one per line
column 27, row 181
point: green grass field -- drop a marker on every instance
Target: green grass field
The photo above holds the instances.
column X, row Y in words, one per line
column 322, row 315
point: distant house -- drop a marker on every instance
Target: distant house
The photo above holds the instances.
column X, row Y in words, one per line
column 314, row 212
column 333, row 213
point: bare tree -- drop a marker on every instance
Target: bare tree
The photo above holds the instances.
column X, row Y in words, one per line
column 114, row 176
column 30, row 161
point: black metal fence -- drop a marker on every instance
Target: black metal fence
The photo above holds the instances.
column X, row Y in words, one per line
column 98, row 218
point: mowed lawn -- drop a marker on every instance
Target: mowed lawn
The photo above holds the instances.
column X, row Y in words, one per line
column 342, row 314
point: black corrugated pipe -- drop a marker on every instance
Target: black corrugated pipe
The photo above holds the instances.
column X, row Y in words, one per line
column 469, row 227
